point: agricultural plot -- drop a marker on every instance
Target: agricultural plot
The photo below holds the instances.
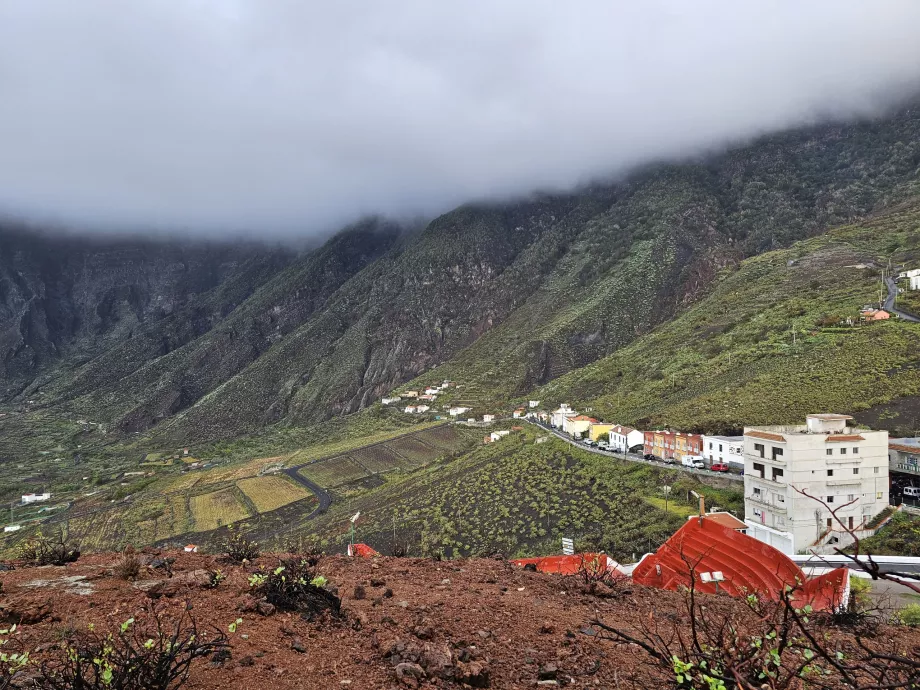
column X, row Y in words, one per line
column 414, row 451
column 99, row 530
column 378, row 458
column 444, row 438
column 516, row 498
column 271, row 492
column 213, row 510
column 334, row 471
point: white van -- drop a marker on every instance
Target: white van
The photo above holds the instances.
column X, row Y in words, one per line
column 912, row 491
column 695, row 461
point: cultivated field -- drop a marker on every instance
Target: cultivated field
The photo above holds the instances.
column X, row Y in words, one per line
column 406, row 452
column 269, row 493
column 213, row 510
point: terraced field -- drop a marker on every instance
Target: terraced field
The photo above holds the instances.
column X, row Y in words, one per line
column 407, row 452
column 272, row 492
column 213, row 510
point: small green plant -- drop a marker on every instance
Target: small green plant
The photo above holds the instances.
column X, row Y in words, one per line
column 155, row 656
column 217, row 576
column 237, row 548
column 910, row 615
column 293, row 586
column 234, row 625
column 12, row 658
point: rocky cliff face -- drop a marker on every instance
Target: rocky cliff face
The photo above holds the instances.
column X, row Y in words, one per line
column 196, row 342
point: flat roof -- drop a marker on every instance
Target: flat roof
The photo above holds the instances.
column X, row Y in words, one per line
column 722, row 518
column 828, row 417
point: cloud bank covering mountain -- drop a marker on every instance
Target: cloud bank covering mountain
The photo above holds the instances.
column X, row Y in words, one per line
column 291, row 118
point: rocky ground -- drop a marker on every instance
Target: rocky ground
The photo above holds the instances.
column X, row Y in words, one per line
column 404, row 622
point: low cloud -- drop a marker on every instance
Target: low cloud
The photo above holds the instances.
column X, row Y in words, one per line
column 283, row 117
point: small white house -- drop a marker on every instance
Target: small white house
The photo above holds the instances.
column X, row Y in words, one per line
column 454, row 411
column 497, row 435
column 913, row 273
column 390, row 401
column 12, row 528
column 915, row 282
column 533, row 403
column 191, row 548
column 422, row 408
column 622, row 438
column 411, row 409
column 35, row 498
column 488, row 417
column 432, row 391
column 518, row 413
column 725, row 450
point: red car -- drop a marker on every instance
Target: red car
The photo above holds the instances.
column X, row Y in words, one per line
column 719, row 467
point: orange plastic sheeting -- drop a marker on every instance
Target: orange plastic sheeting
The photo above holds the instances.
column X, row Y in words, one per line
column 569, row 565
column 361, row 551
column 749, row 567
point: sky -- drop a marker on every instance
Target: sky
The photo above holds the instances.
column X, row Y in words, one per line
column 274, row 118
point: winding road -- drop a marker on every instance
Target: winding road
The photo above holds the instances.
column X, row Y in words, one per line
column 323, row 496
column 889, row 301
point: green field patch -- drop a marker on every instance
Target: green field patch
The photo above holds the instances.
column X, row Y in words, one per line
column 378, row 459
column 334, row 471
column 213, row 510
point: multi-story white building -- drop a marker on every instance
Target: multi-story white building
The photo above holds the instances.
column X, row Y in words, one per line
column 727, row 450
column 844, row 467
column 559, row 416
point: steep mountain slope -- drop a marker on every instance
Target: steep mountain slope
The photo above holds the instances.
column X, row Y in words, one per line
column 64, row 300
column 506, row 297
column 766, row 345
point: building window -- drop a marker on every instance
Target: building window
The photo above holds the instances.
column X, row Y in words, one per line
column 710, row 445
column 851, row 522
column 830, row 499
column 875, row 470
column 851, row 497
column 758, row 448
column 777, row 474
column 758, row 468
column 720, row 447
column 855, row 450
column 855, row 470
column 830, row 473
column 830, row 451
column 878, row 495
column 829, row 523
column 756, row 492
column 843, row 451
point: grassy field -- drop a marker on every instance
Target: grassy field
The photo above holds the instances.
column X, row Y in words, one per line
column 518, row 497
column 270, row 493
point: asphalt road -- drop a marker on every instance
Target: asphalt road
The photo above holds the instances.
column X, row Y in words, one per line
column 323, row 496
column 889, row 301
column 635, row 458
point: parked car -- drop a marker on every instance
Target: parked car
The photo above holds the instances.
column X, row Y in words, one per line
column 695, row 461
column 588, row 442
column 719, row 467
column 649, row 456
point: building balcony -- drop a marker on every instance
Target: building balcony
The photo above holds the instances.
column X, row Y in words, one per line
column 767, row 481
column 844, row 481
column 772, row 506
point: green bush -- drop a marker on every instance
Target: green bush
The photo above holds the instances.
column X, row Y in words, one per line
column 910, row 615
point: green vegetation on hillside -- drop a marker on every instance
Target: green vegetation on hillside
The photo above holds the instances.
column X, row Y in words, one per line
column 900, row 537
column 519, row 497
column 766, row 345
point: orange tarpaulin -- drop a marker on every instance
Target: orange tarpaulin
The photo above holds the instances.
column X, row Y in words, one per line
column 569, row 565
column 361, row 551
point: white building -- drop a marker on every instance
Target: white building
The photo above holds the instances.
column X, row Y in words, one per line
column 914, row 282
column 454, row 411
column 904, row 456
column 533, row 403
column 488, row 417
column 913, row 273
column 622, row 438
column 390, row 401
column 422, row 408
column 35, row 498
column 432, row 391
column 497, row 435
column 559, row 416
column 518, row 413
column 844, row 467
column 726, row 450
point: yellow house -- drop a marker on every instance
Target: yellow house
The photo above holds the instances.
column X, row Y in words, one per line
column 597, row 430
